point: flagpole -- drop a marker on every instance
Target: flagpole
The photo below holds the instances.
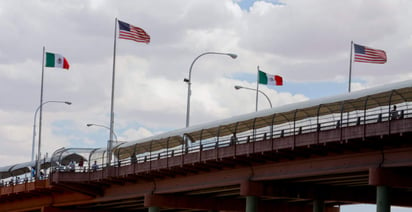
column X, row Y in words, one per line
column 40, row 118
column 257, row 88
column 109, row 142
column 350, row 66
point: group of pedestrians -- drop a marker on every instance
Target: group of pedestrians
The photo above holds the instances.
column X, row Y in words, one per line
column 13, row 181
column 71, row 167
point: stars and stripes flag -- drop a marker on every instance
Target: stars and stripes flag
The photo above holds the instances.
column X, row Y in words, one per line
column 130, row 32
column 365, row 54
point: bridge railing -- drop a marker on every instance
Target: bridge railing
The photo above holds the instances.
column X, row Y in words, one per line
column 327, row 122
column 156, row 159
column 304, row 126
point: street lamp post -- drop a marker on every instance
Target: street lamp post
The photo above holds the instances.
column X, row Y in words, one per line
column 189, row 80
column 99, row 125
column 237, row 87
column 34, row 125
column 39, row 145
column 109, row 142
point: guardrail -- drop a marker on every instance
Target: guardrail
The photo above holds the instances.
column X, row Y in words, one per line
column 256, row 142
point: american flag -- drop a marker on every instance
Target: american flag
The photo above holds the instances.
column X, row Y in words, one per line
column 365, row 54
column 130, row 32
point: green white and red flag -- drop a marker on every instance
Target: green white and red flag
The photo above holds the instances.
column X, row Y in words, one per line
column 268, row 79
column 56, row 61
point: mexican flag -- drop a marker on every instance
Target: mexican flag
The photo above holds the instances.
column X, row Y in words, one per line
column 56, row 61
column 268, row 79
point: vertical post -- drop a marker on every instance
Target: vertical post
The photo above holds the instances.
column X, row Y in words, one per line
column 189, row 92
column 257, row 88
column 350, row 66
column 318, row 205
column 382, row 199
column 109, row 144
column 34, row 140
column 40, row 119
column 251, row 203
column 154, row 209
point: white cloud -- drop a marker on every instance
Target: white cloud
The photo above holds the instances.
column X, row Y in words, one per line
column 135, row 134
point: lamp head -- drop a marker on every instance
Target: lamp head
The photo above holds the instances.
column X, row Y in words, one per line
column 233, row 56
column 237, row 87
column 68, row 103
column 89, row 125
column 185, row 80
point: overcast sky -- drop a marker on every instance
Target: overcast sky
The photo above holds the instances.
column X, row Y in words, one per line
column 307, row 42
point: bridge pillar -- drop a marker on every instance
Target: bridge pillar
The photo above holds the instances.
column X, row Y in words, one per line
column 154, row 209
column 251, row 203
column 386, row 178
column 318, row 205
column 382, row 199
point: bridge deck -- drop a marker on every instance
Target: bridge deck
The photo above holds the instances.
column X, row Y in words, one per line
column 341, row 165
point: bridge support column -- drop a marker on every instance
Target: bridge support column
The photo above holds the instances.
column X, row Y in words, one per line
column 154, row 209
column 386, row 178
column 382, row 199
column 251, row 203
column 318, row 205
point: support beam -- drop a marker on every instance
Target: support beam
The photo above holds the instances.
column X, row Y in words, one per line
column 86, row 189
column 196, row 203
column 308, row 191
column 392, row 177
column 272, row 206
column 37, row 202
column 55, row 209
column 252, row 188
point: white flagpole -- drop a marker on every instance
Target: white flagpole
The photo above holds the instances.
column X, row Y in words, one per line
column 257, row 88
column 350, row 66
column 40, row 118
column 110, row 141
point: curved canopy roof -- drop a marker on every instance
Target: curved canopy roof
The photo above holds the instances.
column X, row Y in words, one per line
column 25, row 167
column 358, row 100
column 21, row 168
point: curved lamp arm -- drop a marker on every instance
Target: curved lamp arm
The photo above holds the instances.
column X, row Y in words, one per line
column 99, row 125
column 34, row 123
column 237, row 87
